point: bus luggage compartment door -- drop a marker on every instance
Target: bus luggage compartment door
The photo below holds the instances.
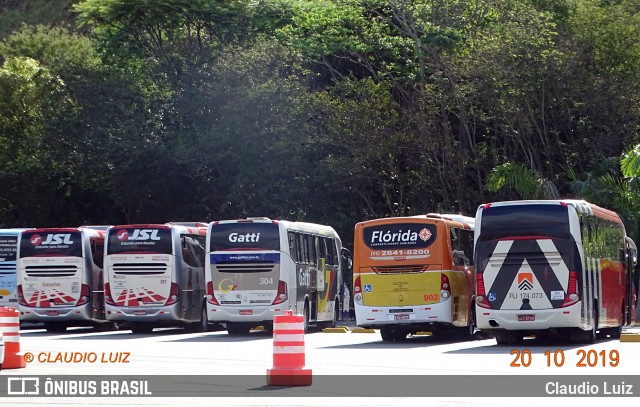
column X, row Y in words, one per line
column 384, row 290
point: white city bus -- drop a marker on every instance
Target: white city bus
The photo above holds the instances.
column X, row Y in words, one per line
column 557, row 267
column 154, row 276
column 257, row 268
column 60, row 277
column 8, row 250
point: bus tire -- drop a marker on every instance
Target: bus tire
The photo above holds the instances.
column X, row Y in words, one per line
column 399, row 335
column 106, row 327
column 387, row 335
column 202, row 325
column 616, row 331
column 141, row 327
column 591, row 335
column 508, row 338
column 236, row 329
column 305, row 315
column 467, row 333
column 55, row 327
column 336, row 311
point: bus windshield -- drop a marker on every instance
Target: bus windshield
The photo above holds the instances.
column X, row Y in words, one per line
column 500, row 222
column 54, row 243
column 138, row 240
column 245, row 236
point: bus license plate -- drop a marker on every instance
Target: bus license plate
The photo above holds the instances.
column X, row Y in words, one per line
column 53, row 313
column 246, row 312
column 401, row 317
column 140, row 312
column 526, row 317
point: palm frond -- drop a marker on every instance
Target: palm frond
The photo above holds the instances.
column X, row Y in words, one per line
column 630, row 163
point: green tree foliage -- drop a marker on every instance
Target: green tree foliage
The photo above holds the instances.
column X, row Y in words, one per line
column 327, row 111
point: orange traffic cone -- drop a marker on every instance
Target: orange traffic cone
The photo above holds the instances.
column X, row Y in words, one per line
column 288, row 352
column 10, row 327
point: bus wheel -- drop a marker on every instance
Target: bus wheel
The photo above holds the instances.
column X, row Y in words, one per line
column 508, row 338
column 236, row 329
column 305, row 314
column 471, row 329
column 336, row 311
column 141, row 327
column 591, row 335
column 399, row 335
column 387, row 335
column 55, row 327
column 106, row 327
column 202, row 325
column 616, row 332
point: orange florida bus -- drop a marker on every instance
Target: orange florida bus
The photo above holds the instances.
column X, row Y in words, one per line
column 414, row 274
column 59, row 273
column 557, row 267
column 154, row 276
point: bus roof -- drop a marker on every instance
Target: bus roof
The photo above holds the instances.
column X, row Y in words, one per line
column 289, row 225
column 466, row 222
column 88, row 231
column 190, row 224
column 199, row 230
column 580, row 205
column 12, row 231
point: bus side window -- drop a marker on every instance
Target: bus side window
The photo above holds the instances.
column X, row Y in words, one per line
column 97, row 253
column 311, row 244
column 187, row 252
column 322, row 250
column 292, row 247
column 305, row 248
column 332, row 254
column 462, row 246
column 198, row 248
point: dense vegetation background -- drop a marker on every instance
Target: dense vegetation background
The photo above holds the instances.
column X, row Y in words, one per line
column 122, row 111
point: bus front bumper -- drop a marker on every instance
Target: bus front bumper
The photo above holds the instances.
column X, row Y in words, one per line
column 529, row 320
column 372, row 316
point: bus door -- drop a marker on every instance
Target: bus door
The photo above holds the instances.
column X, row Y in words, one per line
column 8, row 249
column 140, row 267
column 402, row 266
column 527, row 258
column 245, row 264
column 51, row 269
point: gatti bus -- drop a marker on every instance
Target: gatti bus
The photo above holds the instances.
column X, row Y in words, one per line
column 557, row 267
column 60, row 277
column 8, row 251
column 257, row 268
column 414, row 274
column 154, row 276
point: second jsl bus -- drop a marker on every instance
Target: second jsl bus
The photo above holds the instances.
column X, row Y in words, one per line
column 557, row 267
column 154, row 276
column 8, row 251
column 414, row 274
column 60, row 277
column 257, row 268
